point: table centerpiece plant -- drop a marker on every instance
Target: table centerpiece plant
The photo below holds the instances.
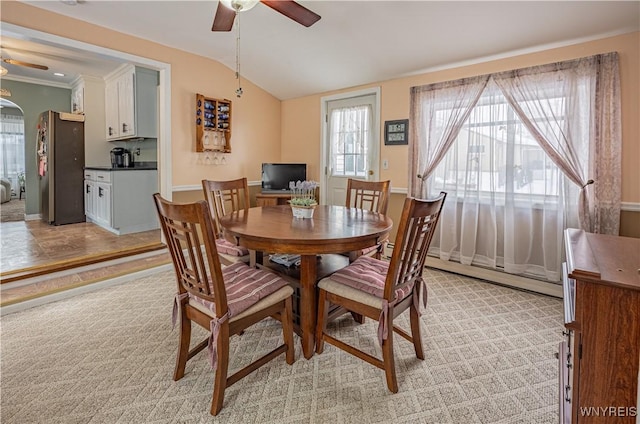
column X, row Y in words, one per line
column 303, row 198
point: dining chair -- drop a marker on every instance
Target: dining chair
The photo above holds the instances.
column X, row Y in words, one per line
column 373, row 196
column 224, row 197
column 383, row 290
column 224, row 301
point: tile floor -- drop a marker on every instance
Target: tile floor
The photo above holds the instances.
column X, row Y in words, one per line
column 34, row 248
column 27, row 244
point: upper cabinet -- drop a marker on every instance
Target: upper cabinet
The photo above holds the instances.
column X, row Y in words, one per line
column 131, row 101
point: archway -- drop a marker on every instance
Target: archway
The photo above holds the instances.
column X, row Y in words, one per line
column 12, row 162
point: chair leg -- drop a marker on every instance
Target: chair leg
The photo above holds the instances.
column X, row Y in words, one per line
column 388, row 359
column 321, row 326
column 359, row 318
column 183, row 349
column 220, row 380
column 287, row 331
column 415, row 331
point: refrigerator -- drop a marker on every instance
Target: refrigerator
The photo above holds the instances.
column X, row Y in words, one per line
column 60, row 150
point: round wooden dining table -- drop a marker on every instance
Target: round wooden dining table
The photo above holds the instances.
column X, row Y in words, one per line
column 333, row 229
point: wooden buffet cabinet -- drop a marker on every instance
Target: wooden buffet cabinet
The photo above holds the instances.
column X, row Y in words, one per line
column 600, row 354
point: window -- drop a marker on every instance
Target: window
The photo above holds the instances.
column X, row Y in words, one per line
column 12, row 148
column 494, row 153
column 518, row 153
column 350, row 131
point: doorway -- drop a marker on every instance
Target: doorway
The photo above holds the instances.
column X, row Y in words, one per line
column 12, row 163
column 164, row 126
column 350, row 141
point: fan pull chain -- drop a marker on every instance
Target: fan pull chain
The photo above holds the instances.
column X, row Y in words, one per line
column 239, row 90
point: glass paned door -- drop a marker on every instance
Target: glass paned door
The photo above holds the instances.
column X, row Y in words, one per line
column 351, row 144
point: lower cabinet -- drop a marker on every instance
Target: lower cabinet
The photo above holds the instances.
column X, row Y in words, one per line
column 103, row 205
column 121, row 200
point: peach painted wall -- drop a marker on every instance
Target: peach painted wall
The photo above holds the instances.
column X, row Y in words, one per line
column 301, row 130
column 256, row 116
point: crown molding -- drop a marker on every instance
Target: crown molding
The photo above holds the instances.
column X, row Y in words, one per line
column 36, row 81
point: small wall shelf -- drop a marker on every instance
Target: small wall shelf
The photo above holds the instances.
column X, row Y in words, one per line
column 213, row 124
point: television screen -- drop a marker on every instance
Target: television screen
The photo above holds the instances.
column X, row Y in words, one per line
column 276, row 176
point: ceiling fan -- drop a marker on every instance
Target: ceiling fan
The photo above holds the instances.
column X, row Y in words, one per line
column 25, row 64
column 227, row 10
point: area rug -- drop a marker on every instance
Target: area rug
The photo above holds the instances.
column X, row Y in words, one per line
column 12, row 210
column 108, row 357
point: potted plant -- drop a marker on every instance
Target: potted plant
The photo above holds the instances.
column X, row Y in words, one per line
column 303, row 198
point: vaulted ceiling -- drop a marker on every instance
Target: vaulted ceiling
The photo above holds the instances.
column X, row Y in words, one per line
column 355, row 42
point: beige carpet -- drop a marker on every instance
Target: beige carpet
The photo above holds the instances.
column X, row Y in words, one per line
column 12, row 210
column 108, row 356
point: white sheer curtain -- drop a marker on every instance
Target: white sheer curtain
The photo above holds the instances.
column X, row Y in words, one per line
column 437, row 113
column 12, row 148
column 573, row 111
column 518, row 162
column 351, row 129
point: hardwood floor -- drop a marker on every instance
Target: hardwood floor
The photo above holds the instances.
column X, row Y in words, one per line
column 57, row 258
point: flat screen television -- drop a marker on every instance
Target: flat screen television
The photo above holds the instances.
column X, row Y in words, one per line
column 276, row 176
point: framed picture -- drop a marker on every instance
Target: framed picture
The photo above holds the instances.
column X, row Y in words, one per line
column 396, row 132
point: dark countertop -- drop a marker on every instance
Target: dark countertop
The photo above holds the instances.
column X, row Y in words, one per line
column 137, row 166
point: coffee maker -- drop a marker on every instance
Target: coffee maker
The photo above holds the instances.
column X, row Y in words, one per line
column 117, row 157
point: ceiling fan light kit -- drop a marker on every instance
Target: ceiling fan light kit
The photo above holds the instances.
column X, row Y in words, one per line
column 228, row 10
column 239, row 5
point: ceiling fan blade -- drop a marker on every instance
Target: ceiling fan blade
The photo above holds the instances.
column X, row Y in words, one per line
column 26, row 64
column 294, row 11
column 223, row 21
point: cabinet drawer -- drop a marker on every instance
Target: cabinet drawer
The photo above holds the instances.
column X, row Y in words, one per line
column 103, row 176
column 89, row 175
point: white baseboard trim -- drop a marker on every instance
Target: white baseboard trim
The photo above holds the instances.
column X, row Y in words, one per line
column 28, row 304
column 502, row 278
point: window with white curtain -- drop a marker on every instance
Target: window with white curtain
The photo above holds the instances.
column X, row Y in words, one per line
column 495, row 153
column 12, row 149
column 504, row 192
column 350, row 129
column 522, row 155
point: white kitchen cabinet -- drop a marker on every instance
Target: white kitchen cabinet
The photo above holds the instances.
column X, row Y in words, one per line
column 97, row 197
column 111, row 109
column 103, row 205
column 121, row 201
column 89, row 195
column 131, row 103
